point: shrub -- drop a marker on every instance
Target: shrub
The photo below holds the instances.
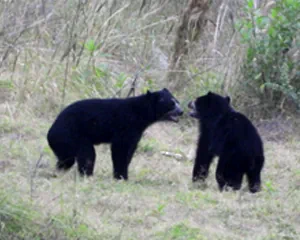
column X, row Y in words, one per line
column 271, row 67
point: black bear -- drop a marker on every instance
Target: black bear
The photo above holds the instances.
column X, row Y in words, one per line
column 232, row 137
column 120, row 122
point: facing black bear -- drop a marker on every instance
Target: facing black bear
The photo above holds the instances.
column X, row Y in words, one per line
column 230, row 136
column 120, row 122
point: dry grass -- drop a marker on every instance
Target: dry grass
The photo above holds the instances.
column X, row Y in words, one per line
column 159, row 201
column 55, row 52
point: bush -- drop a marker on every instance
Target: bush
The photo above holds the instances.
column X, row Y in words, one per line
column 272, row 67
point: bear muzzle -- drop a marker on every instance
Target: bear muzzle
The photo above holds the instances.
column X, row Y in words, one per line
column 194, row 112
column 174, row 114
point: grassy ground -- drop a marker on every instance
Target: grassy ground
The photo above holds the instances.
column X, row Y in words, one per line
column 56, row 52
column 158, row 202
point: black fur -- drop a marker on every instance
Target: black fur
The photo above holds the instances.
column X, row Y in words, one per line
column 230, row 136
column 119, row 122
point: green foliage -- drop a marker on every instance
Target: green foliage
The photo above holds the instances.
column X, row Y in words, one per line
column 98, row 80
column 205, row 81
column 148, row 145
column 270, row 186
column 91, row 46
column 143, row 173
column 20, row 220
column 182, row 231
column 90, row 80
column 6, row 84
column 159, row 210
column 73, row 228
column 13, row 218
column 120, row 80
column 149, row 85
column 268, row 66
column 195, row 199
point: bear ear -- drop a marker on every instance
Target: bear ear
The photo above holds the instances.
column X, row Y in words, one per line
column 165, row 90
column 227, row 99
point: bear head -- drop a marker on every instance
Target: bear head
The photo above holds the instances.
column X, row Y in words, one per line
column 209, row 106
column 166, row 106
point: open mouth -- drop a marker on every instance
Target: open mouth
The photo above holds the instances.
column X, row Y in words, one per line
column 174, row 115
column 193, row 113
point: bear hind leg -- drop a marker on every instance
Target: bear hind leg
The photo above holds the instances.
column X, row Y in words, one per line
column 65, row 156
column 254, row 181
column 235, row 180
column 66, row 164
column 64, row 148
column 229, row 173
column 253, row 175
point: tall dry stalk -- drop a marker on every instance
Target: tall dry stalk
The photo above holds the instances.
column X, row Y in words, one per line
column 191, row 26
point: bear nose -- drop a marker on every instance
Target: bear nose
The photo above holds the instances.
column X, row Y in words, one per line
column 191, row 104
column 178, row 109
column 180, row 112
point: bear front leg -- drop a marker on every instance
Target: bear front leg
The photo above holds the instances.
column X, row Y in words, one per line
column 220, row 173
column 86, row 158
column 122, row 152
column 203, row 160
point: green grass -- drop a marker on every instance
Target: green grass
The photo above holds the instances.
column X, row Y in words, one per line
column 181, row 231
column 20, row 219
column 159, row 201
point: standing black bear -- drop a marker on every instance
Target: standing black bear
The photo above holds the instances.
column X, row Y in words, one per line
column 230, row 136
column 120, row 122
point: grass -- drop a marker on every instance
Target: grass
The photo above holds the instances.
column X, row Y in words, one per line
column 158, row 202
column 121, row 42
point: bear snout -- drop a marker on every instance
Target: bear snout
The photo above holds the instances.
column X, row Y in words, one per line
column 193, row 113
column 191, row 105
column 179, row 110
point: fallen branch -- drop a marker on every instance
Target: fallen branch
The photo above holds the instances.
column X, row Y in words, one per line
column 177, row 156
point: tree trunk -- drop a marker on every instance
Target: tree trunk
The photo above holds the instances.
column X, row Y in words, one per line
column 191, row 26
